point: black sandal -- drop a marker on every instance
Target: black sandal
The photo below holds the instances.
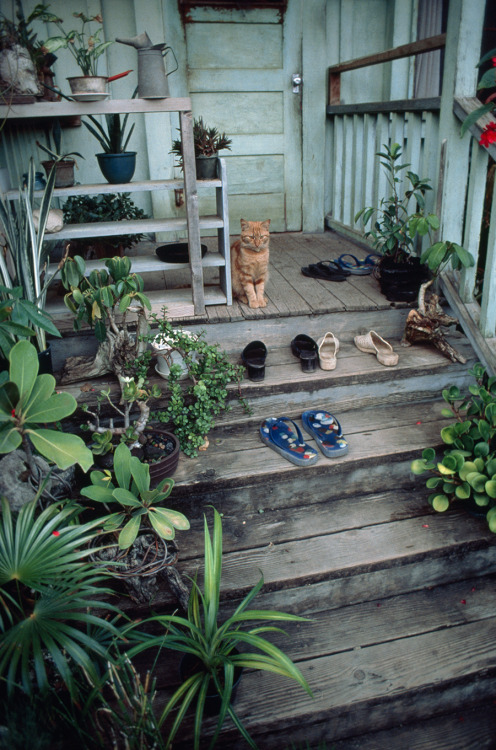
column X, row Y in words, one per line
column 306, row 349
column 254, row 356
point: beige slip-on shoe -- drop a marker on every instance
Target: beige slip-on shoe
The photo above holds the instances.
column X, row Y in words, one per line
column 374, row 344
column 328, row 348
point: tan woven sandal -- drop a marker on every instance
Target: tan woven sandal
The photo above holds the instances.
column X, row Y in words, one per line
column 372, row 343
column 328, row 348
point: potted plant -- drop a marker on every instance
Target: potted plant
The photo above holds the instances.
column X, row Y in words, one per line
column 23, row 266
column 466, row 474
column 116, row 163
column 395, row 229
column 86, row 47
column 88, row 209
column 212, row 649
column 104, row 299
column 192, row 408
column 208, row 142
column 62, row 164
column 17, row 40
column 158, row 448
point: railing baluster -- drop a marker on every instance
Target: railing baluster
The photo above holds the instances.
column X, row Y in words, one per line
column 488, row 303
column 473, row 221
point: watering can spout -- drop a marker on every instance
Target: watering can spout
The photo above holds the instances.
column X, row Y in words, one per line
column 152, row 78
column 141, row 41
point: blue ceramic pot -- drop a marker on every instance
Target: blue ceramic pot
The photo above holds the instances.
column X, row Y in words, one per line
column 117, row 168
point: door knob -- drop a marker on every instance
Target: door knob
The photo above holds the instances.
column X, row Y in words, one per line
column 296, row 80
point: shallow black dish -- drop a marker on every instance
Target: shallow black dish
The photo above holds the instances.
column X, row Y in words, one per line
column 176, row 252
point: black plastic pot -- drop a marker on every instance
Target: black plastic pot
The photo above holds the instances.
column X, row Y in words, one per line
column 206, row 167
column 400, row 282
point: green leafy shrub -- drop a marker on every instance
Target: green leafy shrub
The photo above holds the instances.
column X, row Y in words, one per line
column 467, row 472
column 191, row 409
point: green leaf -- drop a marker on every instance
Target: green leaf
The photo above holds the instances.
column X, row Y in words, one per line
column 63, row 448
column 418, row 466
column 440, row 503
column 10, row 438
column 125, row 497
column 161, row 526
column 490, row 488
column 141, row 474
column 129, row 532
column 122, row 465
column 477, row 481
column 172, row 517
column 98, row 494
column 24, row 368
column 463, row 491
column 57, row 407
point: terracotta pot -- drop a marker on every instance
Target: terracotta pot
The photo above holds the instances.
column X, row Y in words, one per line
column 64, row 171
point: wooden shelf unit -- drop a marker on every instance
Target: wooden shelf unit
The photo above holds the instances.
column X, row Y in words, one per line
column 193, row 301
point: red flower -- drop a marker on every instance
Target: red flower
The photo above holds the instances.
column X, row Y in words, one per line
column 56, row 533
column 493, row 60
column 488, row 135
column 13, row 412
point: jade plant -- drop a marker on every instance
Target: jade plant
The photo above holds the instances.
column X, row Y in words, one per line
column 28, row 403
column 191, row 410
column 139, row 505
column 466, row 474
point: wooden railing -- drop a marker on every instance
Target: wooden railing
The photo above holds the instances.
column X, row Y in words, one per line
column 476, row 286
column 358, row 131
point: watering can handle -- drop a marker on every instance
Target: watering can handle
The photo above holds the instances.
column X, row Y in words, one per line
column 164, row 52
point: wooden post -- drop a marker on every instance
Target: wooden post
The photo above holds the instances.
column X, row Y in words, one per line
column 192, row 213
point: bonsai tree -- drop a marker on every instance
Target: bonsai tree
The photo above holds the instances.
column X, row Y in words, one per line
column 104, row 299
column 138, row 503
column 466, row 475
column 215, row 647
column 135, row 393
column 27, row 404
column 88, row 209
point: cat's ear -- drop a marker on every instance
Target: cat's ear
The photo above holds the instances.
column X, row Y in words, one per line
column 244, row 224
column 266, row 224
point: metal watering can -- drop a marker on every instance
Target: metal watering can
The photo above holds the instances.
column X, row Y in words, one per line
column 152, row 78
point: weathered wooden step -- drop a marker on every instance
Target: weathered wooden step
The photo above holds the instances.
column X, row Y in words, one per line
column 237, row 460
column 399, row 659
column 466, row 729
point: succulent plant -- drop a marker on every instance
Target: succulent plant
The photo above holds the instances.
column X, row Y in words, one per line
column 467, row 471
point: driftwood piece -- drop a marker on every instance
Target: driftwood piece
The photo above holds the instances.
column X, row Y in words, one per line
column 423, row 326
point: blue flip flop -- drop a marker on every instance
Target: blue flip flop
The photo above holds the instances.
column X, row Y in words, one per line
column 327, row 432
column 284, row 436
column 355, row 266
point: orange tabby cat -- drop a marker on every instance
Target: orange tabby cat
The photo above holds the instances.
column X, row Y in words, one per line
column 250, row 263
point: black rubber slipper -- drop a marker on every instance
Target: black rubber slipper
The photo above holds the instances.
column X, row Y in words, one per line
column 324, row 270
column 254, row 356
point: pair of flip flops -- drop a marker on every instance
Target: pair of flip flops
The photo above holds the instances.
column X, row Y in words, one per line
column 284, row 436
column 328, row 270
column 353, row 265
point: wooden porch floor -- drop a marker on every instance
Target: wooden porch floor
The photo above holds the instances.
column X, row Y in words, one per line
column 289, row 292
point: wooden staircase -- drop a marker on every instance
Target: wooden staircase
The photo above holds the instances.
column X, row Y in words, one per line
column 399, row 649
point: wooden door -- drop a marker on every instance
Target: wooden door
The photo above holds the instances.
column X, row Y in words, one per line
column 240, row 64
